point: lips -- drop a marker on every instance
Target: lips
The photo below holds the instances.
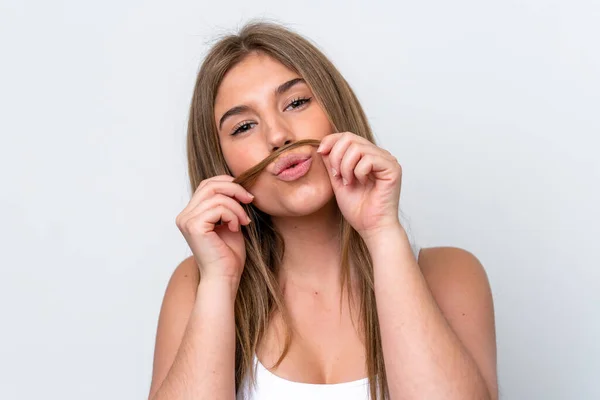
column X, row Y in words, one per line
column 287, row 161
column 296, row 171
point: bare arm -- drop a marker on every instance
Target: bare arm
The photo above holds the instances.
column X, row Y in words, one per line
column 437, row 326
column 195, row 342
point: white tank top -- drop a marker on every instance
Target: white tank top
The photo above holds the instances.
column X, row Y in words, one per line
column 271, row 387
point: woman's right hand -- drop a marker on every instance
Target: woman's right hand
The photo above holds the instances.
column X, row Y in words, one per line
column 219, row 250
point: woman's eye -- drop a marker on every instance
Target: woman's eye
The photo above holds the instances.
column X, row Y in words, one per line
column 298, row 103
column 242, row 128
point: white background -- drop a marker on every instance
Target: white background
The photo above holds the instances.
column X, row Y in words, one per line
column 491, row 108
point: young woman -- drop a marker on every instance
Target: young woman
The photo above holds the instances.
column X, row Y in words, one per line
column 304, row 284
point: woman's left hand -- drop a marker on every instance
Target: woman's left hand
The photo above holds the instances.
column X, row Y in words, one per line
column 366, row 180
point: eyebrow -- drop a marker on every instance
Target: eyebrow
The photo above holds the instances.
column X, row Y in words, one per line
column 284, row 87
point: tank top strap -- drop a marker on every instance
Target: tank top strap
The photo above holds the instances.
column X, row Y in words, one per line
column 416, row 249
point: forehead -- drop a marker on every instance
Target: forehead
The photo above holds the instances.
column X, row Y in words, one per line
column 255, row 77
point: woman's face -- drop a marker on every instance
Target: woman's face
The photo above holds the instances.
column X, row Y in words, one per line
column 260, row 106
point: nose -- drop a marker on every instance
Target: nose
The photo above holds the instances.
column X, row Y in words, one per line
column 274, row 148
column 279, row 135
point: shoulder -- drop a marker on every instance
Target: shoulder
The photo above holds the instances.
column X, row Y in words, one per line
column 451, row 268
column 183, row 282
column 178, row 301
column 459, row 284
column 456, row 278
column 181, row 291
column 186, row 272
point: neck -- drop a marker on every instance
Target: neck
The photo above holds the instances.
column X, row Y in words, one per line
column 312, row 258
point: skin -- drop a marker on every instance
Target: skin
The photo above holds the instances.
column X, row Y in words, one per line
column 436, row 315
column 302, row 210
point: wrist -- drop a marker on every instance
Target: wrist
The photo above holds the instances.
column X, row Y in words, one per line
column 222, row 287
column 382, row 234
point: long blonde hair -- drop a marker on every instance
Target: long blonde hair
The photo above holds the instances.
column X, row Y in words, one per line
column 259, row 294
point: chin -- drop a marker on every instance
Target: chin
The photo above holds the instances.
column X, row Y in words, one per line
column 301, row 201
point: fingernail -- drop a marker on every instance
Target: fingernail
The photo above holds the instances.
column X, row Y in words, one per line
column 250, row 194
column 333, row 171
column 320, row 149
column 345, row 182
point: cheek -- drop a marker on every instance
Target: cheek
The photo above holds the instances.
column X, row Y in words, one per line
column 240, row 160
column 265, row 198
column 319, row 125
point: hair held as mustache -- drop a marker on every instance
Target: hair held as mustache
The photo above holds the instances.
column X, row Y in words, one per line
column 248, row 177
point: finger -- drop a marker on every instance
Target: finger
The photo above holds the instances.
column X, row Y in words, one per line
column 363, row 169
column 327, row 142
column 203, row 183
column 220, row 213
column 335, row 181
column 218, row 178
column 341, row 144
column 222, row 200
column 337, row 152
column 380, row 167
column 349, row 161
column 214, row 187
